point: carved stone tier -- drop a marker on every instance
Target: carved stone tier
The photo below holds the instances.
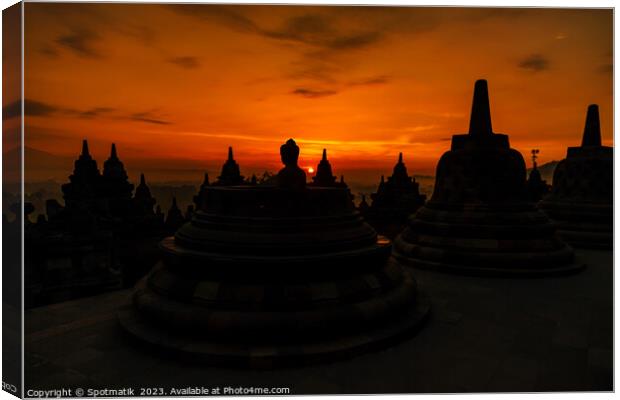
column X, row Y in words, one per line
column 269, row 276
column 479, row 219
column 581, row 198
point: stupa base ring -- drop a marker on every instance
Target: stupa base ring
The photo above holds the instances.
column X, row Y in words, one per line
column 488, row 271
column 275, row 355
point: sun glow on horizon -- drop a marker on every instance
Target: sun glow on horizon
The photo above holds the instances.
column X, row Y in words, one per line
column 348, row 79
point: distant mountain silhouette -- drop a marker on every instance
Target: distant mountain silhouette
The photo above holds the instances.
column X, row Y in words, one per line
column 39, row 156
column 39, row 160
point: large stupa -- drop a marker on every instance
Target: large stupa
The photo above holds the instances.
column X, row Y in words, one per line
column 479, row 219
column 270, row 275
column 581, row 198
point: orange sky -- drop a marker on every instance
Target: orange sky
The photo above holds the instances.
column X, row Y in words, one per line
column 174, row 85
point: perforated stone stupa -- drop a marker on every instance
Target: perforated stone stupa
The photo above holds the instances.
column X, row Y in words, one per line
column 581, row 198
column 479, row 219
column 268, row 275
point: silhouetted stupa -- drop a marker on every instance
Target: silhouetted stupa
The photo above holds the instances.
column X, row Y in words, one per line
column 83, row 186
column 174, row 218
column 200, row 199
column 363, row 206
column 275, row 274
column 536, row 186
column 479, row 219
column 581, row 198
column 142, row 199
column 115, row 185
column 324, row 176
column 394, row 201
column 230, row 176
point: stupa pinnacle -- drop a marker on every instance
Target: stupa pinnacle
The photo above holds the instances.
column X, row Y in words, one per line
column 480, row 119
column 479, row 219
column 592, row 130
column 85, row 152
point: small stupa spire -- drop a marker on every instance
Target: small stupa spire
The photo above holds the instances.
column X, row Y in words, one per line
column 324, row 176
column 230, row 175
column 85, row 152
column 480, row 120
column 592, row 130
column 205, row 182
column 113, row 151
column 400, row 157
column 142, row 180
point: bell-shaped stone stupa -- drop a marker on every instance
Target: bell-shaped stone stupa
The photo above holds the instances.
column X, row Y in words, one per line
column 231, row 175
column 581, row 198
column 324, row 176
column 270, row 275
column 479, row 219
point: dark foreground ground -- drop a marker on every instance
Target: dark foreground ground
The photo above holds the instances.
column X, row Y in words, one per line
column 550, row 334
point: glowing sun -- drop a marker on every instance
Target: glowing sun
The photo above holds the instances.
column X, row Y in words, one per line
column 311, row 170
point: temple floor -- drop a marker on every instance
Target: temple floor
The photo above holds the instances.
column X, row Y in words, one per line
column 484, row 334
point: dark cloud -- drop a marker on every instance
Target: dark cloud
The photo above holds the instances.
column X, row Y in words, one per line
column 95, row 112
column 313, row 93
column 31, row 108
column 338, row 87
column 186, row 62
column 36, row 108
column 535, row 62
column 148, row 117
column 309, row 29
column 80, row 41
column 372, row 81
column 223, row 14
column 12, row 110
column 49, row 51
column 321, row 31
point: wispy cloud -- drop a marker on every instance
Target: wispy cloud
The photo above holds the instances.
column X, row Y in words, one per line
column 80, row 41
column 371, row 81
column 322, row 32
column 94, row 112
column 313, row 93
column 36, row 108
column 187, row 62
column 148, row 117
column 534, row 62
column 31, row 108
